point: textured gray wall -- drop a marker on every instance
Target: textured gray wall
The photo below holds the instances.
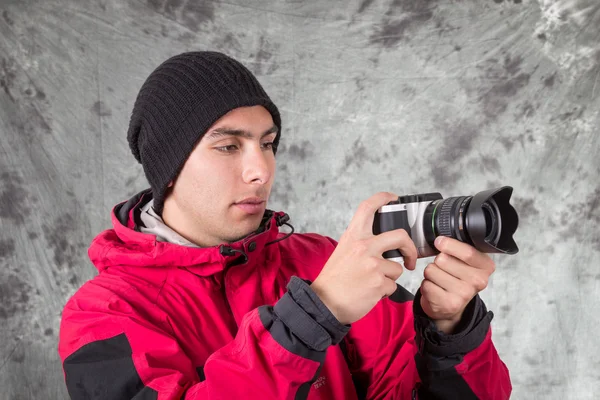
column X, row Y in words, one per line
column 403, row 95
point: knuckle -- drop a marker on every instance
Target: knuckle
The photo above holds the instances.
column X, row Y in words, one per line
column 440, row 259
column 372, row 264
column 465, row 295
column 391, row 287
column 379, row 281
column 428, row 271
column 425, row 287
column 471, row 255
column 398, row 272
column 455, row 305
column 480, row 282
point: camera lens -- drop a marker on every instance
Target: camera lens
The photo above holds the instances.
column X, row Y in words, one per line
column 486, row 221
column 446, row 217
column 492, row 221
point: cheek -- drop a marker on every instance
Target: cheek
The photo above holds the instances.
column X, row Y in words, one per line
column 210, row 176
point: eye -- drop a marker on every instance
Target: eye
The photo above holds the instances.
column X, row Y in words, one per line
column 268, row 145
column 230, row 148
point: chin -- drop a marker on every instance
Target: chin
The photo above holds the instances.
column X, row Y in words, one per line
column 248, row 228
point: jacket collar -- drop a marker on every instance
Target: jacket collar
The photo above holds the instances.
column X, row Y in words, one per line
column 153, row 224
column 125, row 244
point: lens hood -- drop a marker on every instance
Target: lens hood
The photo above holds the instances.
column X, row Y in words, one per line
column 499, row 237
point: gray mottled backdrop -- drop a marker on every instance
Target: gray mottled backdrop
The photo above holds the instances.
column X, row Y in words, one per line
column 403, row 95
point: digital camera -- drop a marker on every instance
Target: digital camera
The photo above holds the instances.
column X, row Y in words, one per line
column 486, row 221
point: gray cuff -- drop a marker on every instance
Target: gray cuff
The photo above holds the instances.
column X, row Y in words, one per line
column 470, row 332
column 301, row 310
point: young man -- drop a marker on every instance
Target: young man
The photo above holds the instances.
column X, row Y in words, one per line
column 199, row 296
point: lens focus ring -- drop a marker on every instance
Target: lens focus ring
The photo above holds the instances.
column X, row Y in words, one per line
column 446, row 220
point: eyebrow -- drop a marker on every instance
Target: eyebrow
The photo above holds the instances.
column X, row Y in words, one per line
column 224, row 131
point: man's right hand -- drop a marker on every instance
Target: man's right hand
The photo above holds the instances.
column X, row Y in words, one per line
column 356, row 276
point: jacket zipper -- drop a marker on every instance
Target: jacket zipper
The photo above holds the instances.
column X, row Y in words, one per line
column 228, row 251
column 227, row 303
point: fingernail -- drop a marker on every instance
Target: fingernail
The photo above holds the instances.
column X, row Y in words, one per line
column 438, row 241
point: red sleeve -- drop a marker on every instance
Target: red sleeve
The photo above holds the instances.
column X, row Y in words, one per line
column 110, row 351
column 394, row 355
column 396, row 352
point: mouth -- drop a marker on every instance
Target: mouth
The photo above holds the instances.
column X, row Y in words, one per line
column 251, row 205
column 251, row 200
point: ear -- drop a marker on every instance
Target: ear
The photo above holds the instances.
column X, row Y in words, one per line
column 170, row 184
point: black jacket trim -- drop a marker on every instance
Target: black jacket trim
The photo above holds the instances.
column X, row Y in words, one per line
column 438, row 353
column 470, row 332
column 401, row 295
column 104, row 370
column 448, row 385
column 304, row 389
column 360, row 387
column 122, row 210
column 285, row 337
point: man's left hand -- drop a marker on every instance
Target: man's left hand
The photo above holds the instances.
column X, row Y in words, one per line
column 451, row 281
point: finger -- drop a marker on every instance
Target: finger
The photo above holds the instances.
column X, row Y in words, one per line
column 448, row 282
column 455, row 267
column 391, row 269
column 390, row 287
column 476, row 277
column 433, row 294
column 397, row 239
column 362, row 221
column 439, row 301
column 464, row 252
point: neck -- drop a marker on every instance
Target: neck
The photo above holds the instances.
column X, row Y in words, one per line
column 186, row 227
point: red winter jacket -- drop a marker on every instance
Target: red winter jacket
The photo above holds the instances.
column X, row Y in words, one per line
column 165, row 321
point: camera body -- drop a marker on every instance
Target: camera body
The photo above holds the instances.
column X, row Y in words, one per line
column 408, row 213
column 486, row 221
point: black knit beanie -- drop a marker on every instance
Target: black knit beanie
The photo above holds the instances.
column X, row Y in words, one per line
column 177, row 104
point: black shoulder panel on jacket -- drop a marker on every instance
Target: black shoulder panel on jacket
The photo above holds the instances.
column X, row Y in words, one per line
column 104, row 370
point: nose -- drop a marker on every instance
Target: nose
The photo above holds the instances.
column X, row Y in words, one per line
column 256, row 166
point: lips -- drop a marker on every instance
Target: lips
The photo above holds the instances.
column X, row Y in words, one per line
column 251, row 200
column 251, row 205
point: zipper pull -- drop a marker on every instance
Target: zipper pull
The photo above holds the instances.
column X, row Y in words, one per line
column 226, row 251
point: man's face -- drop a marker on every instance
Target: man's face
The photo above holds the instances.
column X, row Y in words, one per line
column 222, row 190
